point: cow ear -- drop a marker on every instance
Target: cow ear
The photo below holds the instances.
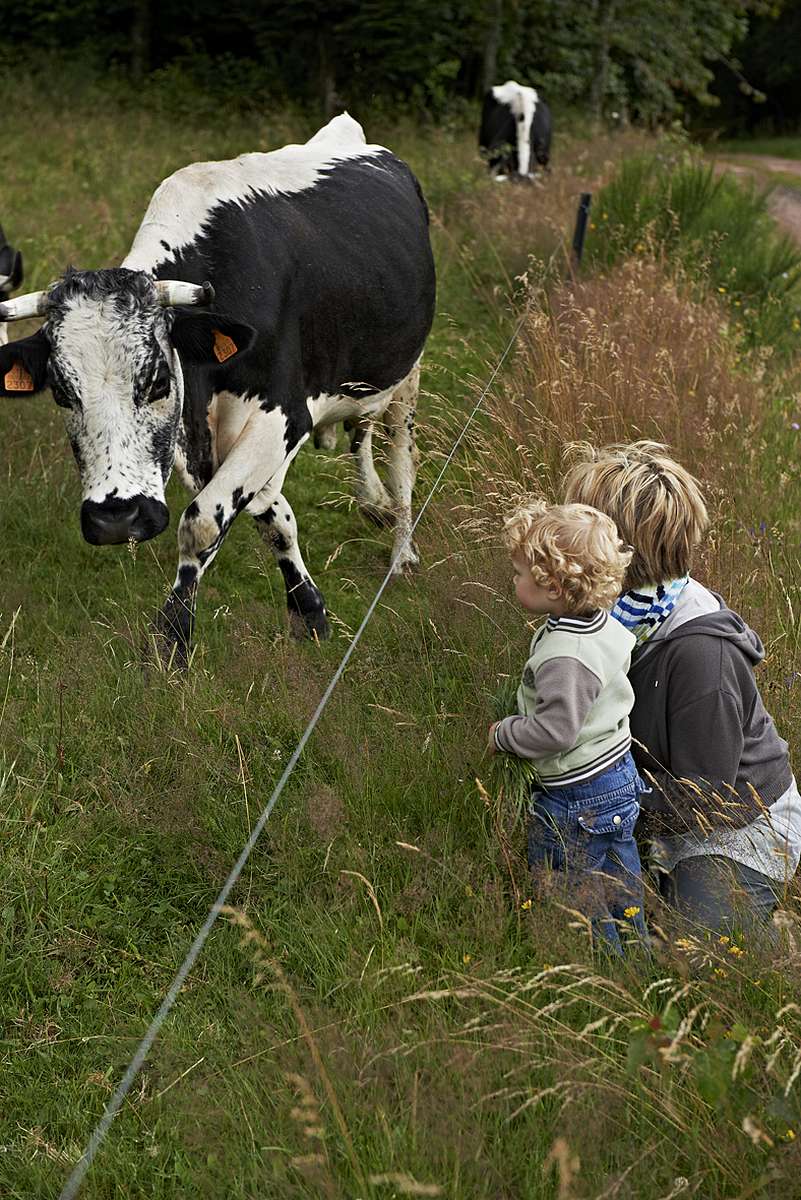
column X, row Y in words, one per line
column 208, row 339
column 16, row 271
column 23, row 365
column 11, row 268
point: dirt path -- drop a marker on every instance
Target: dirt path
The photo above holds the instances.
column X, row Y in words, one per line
column 785, row 202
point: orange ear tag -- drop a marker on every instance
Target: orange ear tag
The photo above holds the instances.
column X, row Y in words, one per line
column 224, row 347
column 18, row 379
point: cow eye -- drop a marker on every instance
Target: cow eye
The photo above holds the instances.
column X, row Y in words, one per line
column 161, row 382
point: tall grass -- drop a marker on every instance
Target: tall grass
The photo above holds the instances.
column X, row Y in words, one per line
column 717, row 227
column 387, row 895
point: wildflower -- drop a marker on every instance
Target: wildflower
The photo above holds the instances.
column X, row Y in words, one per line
column 639, row 247
column 631, row 911
column 466, row 958
column 592, row 224
column 526, row 905
column 721, row 289
column 736, row 951
column 789, row 1135
column 604, row 216
column 721, row 973
column 796, row 324
column 737, row 303
column 795, row 425
column 724, row 941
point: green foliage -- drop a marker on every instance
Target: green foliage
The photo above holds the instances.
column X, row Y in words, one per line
column 720, row 231
column 644, row 59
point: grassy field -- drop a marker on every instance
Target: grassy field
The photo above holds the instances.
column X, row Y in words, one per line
column 385, row 1014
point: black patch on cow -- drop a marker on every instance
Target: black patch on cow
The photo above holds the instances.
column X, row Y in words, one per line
column 541, row 131
column 162, row 449
column 304, row 601
column 337, row 280
column 33, row 353
column 128, row 289
column 198, row 390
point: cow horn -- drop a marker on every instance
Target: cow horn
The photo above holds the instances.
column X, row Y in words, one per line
column 172, row 292
column 21, row 307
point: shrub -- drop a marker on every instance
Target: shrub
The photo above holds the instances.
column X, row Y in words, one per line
column 717, row 227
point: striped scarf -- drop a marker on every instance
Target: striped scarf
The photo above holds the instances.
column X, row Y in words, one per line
column 644, row 611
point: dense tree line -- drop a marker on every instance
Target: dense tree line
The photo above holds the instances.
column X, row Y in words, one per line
column 646, row 60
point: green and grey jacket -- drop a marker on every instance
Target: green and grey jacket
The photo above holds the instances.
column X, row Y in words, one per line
column 574, row 700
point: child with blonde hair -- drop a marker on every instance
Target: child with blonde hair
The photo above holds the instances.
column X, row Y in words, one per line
column 573, row 704
column 724, row 813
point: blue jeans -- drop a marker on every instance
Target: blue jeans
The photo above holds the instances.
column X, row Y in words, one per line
column 587, row 831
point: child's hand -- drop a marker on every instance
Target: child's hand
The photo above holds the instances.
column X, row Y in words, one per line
column 491, row 747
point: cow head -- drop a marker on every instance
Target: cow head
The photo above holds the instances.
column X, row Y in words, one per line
column 107, row 350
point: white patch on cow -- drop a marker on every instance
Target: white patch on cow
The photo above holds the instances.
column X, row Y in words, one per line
column 104, row 352
column 523, row 103
column 182, row 205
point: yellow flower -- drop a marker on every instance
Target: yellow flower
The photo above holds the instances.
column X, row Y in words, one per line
column 547, row 966
column 724, row 941
column 466, row 958
column 723, row 974
column 721, row 289
column 736, row 951
column 639, row 247
column 592, row 224
column 604, row 216
column 796, row 323
column 789, row 1135
column 737, row 303
column 526, row 905
column 631, row 911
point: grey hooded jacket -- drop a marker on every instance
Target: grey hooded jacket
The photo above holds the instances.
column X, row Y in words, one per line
column 700, row 730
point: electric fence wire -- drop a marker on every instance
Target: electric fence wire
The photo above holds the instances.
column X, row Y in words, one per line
column 73, row 1183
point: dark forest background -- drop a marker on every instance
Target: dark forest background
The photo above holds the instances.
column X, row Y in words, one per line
column 734, row 64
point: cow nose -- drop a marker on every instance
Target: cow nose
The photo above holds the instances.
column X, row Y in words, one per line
column 103, row 525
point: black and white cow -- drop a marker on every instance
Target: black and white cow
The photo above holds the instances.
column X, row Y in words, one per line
column 317, row 261
column 10, row 276
column 515, row 129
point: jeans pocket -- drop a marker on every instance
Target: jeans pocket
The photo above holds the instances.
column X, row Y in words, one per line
column 614, row 820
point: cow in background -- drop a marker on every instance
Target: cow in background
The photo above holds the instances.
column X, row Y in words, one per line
column 10, row 276
column 515, row 131
column 318, row 262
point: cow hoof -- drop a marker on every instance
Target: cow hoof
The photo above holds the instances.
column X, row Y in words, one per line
column 164, row 653
column 311, row 626
column 382, row 516
column 406, row 563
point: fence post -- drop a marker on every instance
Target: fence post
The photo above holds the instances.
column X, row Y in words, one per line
column 582, row 216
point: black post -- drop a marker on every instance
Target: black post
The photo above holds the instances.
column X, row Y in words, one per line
column 582, row 216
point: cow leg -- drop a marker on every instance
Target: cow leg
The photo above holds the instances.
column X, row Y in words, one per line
column 371, row 495
column 279, row 529
column 261, row 454
column 402, row 466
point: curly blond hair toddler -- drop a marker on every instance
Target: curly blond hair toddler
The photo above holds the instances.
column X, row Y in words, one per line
column 573, row 706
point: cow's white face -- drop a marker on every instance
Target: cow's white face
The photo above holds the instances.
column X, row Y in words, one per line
column 114, row 371
column 109, row 351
